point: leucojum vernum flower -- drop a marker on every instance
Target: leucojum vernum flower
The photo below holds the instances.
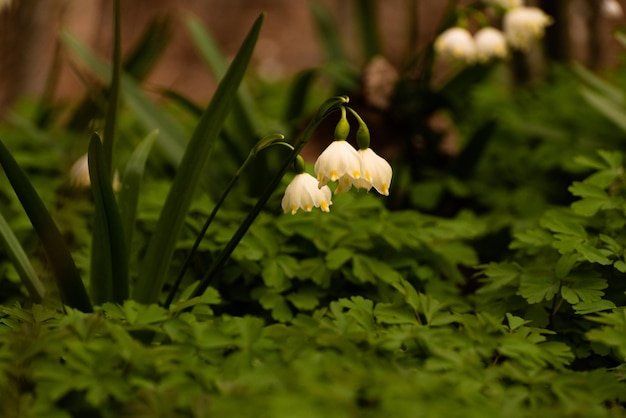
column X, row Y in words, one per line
column 340, row 162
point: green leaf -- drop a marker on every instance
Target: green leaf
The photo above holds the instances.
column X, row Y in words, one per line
column 585, row 290
column 303, row 300
column 615, row 112
column 24, row 268
column 161, row 247
column 584, row 308
column 131, row 184
column 498, row 275
column 68, row 280
column 610, row 92
column 338, row 257
column 172, row 138
column 560, row 221
column 109, row 272
column 536, row 287
column 593, row 254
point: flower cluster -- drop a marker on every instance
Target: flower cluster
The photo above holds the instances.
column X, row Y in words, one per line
column 340, row 162
column 521, row 25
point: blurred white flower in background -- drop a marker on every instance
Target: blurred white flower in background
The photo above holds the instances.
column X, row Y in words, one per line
column 456, row 44
column 303, row 193
column 79, row 174
column 522, row 25
column 490, row 43
column 611, row 9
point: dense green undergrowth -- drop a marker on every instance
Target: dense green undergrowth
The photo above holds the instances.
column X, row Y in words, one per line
column 490, row 283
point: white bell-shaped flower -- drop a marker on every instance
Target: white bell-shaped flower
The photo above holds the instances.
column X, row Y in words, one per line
column 376, row 172
column 303, row 193
column 339, row 160
column 456, row 44
column 522, row 25
column 490, row 43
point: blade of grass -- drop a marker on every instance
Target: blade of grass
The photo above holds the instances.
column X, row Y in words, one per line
column 109, row 271
column 71, row 288
column 329, row 35
column 129, row 194
column 607, row 90
column 110, row 118
column 161, row 247
column 610, row 109
column 18, row 257
column 172, row 138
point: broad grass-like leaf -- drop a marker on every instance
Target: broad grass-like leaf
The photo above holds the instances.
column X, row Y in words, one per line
column 25, row 270
column 172, row 138
column 131, row 183
column 161, row 247
column 612, row 110
column 68, row 280
column 607, row 90
column 329, row 35
column 109, row 272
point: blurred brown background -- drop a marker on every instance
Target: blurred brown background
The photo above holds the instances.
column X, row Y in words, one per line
column 29, row 28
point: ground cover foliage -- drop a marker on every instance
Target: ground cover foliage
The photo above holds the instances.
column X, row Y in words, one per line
column 490, row 282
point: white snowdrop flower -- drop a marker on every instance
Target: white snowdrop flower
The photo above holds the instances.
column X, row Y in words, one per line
column 524, row 24
column 490, row 43
column 376, row 172
column 303, row 193
column 456, row 44
column 611, row 9
column 338, row 160
column 79, row 175
column 506, row 4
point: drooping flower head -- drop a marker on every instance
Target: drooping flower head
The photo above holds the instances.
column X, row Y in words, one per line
column 522, row 25
column 490, row 43
column 456, row 44
column 303, row 193
column 376, row 172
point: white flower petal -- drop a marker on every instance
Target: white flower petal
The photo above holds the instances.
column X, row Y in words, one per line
column 338, row 159
column 377, row 172
column 303, row 193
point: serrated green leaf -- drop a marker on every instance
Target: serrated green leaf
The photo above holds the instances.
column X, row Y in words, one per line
column 593, row 254
column 338, row 257
column 586, row 190
column 584, row 308
column 303, row 300
column 537, row 287
column 588, row 207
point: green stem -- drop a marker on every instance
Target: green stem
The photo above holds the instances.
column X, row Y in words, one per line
column 327, row 108
column 205, row 227
column 114, row 89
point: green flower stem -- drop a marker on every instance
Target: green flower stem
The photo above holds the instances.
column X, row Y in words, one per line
column 327, row 108
column 274, row 139
column 362, row 133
